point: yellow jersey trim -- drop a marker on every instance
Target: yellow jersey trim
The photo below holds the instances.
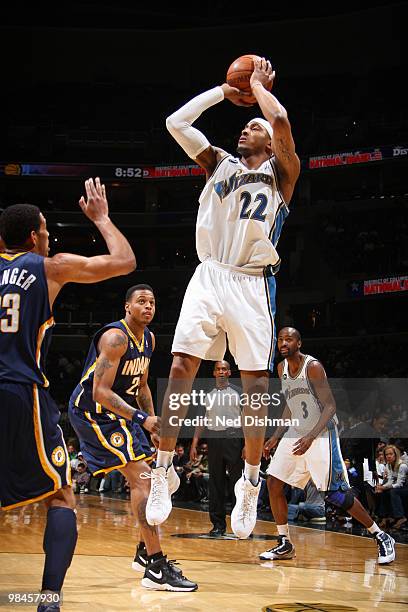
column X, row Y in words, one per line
column 139, row 345
column 12, row 257
column 40, row 337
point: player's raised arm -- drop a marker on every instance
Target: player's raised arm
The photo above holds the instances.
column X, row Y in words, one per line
column 283, row 145
column 112, row 346
column 191, row 140
column 66, row 267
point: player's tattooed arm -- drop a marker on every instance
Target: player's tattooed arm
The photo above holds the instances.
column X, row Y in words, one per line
column 145, row 400
column 119, row 406
column 282, row 143
column 112, row 346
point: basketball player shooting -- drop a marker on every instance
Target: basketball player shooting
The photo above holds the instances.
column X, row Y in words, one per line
column 310, row 448
column 232, row 292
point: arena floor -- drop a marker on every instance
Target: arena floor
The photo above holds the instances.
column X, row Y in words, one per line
column 332, row 571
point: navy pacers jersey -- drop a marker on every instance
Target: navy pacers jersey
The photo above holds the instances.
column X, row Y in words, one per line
column 25, row 318
column 132, row 366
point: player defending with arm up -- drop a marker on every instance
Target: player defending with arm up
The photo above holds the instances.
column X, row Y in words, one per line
column 232, row 294
column 34, row 463
column 310, row 448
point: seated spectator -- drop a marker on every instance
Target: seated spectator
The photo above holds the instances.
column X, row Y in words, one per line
column 389, row 506
column 307, row 504
column 82, row 477
column 197, row 473
column 180, row 461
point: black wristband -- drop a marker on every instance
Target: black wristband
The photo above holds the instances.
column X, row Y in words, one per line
column 139, row 416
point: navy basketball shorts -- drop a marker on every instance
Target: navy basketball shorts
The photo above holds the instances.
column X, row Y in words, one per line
column 34, row 461
column 107, row 441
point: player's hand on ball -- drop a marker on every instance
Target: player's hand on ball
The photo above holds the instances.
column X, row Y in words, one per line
column 152, row 424
column 236, row 96
column 269, row 445
column 95, row 207
column 302, row 445
column 262, row 73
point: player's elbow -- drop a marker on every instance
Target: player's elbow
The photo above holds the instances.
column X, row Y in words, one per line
column 124, row 265
column 174, row 125
column 97, row 396
column 129, row 264
column 280, row 121
column 171, row 124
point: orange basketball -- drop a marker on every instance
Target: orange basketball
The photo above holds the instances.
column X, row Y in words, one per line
column 239, row 73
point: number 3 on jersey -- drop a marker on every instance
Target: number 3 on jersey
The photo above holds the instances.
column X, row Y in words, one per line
column 11, row 303
column 305, row 410
column 259, row 212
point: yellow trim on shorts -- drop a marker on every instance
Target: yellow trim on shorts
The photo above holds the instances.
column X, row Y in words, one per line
column 39, row 440
column 117, row 467
column 129, row 439
column 32, row 500
column 104, row 441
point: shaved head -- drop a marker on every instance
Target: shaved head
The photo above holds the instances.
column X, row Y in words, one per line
column 291, row 331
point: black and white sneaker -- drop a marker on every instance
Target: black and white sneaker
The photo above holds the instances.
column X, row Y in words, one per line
column 386, row 548
column 139, row 563
column 284, row 550
column 161, row 575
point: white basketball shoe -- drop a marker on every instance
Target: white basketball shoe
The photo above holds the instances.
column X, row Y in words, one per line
column 243, row 516
column 158, row 505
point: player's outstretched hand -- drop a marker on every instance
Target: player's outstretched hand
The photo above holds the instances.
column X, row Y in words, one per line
column 236, row 96
column 95, row 207
column 301, row 445
column 262, row 73
column 269, row 445
column 152, row 424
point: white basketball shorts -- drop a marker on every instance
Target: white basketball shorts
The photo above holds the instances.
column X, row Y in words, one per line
column 220, row 303
column 322, row 462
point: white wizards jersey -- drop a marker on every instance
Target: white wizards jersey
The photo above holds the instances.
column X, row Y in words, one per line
column 300, row 398
column 241, row 216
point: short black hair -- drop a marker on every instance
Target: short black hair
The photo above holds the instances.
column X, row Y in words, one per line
column 131, row 290
column 17, row 222
column 294, row 331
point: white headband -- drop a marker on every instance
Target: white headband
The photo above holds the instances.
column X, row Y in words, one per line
column 265, row 124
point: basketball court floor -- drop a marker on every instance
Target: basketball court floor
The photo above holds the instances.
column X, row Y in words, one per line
column 332, row 571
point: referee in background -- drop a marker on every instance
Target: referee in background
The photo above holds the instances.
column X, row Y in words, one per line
column 225, row 445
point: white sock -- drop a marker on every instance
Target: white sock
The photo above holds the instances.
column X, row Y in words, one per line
column 283, row 530
column 374, row 528
column 251, row 473
column 164, row 458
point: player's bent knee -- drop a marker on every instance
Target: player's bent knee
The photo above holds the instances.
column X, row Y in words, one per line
column 341, row 499
column 184, row 366
column 274, row 484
